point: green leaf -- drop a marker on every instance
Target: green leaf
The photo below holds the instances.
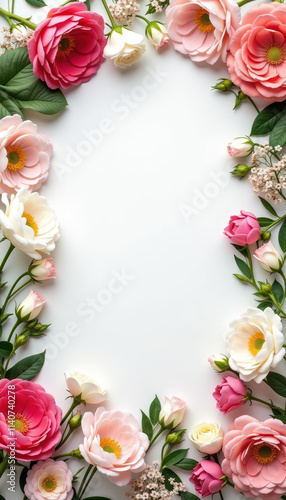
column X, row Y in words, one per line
column 186, row 495
column 147, row 427
column 5, row 349
column 278, row 291
column 264, row 221
column 23, row 477
column 87, row 3
column 168, row 474
column 278, row 134
column 36, row 3
column 280, row 417
column 154, row 410
column 97, row 498
column 264, row 304
column 282, row 236
column 266, row 120
column 27, row 368
column 268, row 206
column 8, row 105
column 277, row 382
column 174, row 457
column 42, row 99
column 244, row 268
column 187, row 464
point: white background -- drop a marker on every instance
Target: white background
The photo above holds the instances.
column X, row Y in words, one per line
column 150, row 197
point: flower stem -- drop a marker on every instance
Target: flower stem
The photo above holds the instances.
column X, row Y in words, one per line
column 155, row 437
column 9, row 251
column 86, row 480
column 249, row 98
column 10, row 293
column 272, row 406
column 274, row 223
column 64, row 439
column 243, row 2
column 113, row 23
column 22, row 20
column 3, row 465
column 72, row 407
column 143, row 18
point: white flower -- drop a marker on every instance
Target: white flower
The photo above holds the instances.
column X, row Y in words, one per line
column 207, row 437
column 255, row 343
column 240, row 147
column 157, row 34
column 49, row 479
column 124, row 47
column 79, row 383
column 172, row 412
column 29, row 223
column 218, row 362
column 268, row 257
column 31, row 306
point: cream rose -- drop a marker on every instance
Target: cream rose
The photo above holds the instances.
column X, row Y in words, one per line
column 172, row 412
column 79, row 383
column 207, row 437
column 124, row 47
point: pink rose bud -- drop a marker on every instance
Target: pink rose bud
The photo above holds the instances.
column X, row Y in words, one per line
column 240, row 147
column 42, row 270
column 268, row 257
column 157, row 35
column 172, row 412
column 243, row 229
column 31, row 306
column 230, row 394
column 208, row 478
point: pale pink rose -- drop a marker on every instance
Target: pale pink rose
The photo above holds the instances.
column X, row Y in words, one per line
column 172, row 412
column 230, row 394
column 113, row 442
column 36, row 427
column 202, row 29
column 67, row 47
column 255, row 457
column 31, row 306
column 43, row 269
column 24, row 155
column 157, row 35
column 257, row 57
column 240, row 147
column 243, row 229
column 207, row 477
column 51, row 479
column 268, row 257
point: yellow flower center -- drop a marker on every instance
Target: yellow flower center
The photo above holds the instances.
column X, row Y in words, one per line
column 111, row 446
column 275, row 54
column 31, row 222
column 16, row 158
column 202, row 20
column 20, row 423
column 255, row 343
column 264, row 453
column 66, row 45
column 49, row 483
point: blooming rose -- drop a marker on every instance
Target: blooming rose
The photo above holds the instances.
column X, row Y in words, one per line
column 243, row 229
column 255, row 343
column 268, row 257
column 202, row 29
column 79, row 383
column 31, row 306
column 24, row 155
column 240, row 147
column 172, row 412
column 207, row 477
column 124, row 47
column 256, row 60
column 114, row 443
column 230, row 394
column 207, row 437
column 36, row 425
column 255, row 457
column 43, row 269
column 67, row 47
column 49, row 479
column 29, row 223
column 157, row 35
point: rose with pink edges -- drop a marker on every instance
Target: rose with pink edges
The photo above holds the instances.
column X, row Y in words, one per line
column 25, row 155
column 202, row 29
column 243, row 229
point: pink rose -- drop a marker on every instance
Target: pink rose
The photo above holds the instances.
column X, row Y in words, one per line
column 256, row 60
column 207, row 477
column 255, row 457
column 202, row 29
column 67, row 47
column 113, row 442
column 36, row 427
column 268, row 257
column 240, row 147
column 24, row 155
column 172, row 412
column 31, row 306
column 230, row 394
column 243, row 229
column 43, row 269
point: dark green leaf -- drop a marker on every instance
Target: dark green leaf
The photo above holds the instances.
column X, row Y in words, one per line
column 242, row 250
column 244, row 268
column 267, row 118
column 2, row 498
column 23, row 476
column 278, row 134
column 278, row 291
column 147, row 427
column 168, row 474
column 42, row 99
column 36, row 3
column 282, row 236
column 5, row 349
column 277, row 383
column 27, row 368
column 97, row 498
column 154, row 410
column 187, row 464
column 280, row 417
column 268, row 206
column 174, row 457
column 186, row 495
column 264, row 221
column 87, row 3
column 8, row 105
column 264, row 304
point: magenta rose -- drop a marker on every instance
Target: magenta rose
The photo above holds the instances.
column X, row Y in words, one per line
column 207, row 477
column 67, row 47
column 29, row 420
column 257, row 56
column 230, row 394
column 243, row 229
column 255, row 457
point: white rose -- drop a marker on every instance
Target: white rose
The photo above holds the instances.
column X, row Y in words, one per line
column 157, row 34
column 124, row 47
column 240, row 147
column 207, row 437
column 172, row 412
column 255, row 343
column 79, row 383
column 268, row 257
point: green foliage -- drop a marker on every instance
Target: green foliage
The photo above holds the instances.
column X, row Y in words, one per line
column 264, row 221
column 187, row 464
column 168, row 474
column 268, row 207
column 244, row 268
column 282, row 236
column 154, row 411
column 27, row 368
column 36, row 3
column 147, row 427
column 174, row 457
column 5, row 349
column 277, row 382
column 278, row 291
column 267, row 119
